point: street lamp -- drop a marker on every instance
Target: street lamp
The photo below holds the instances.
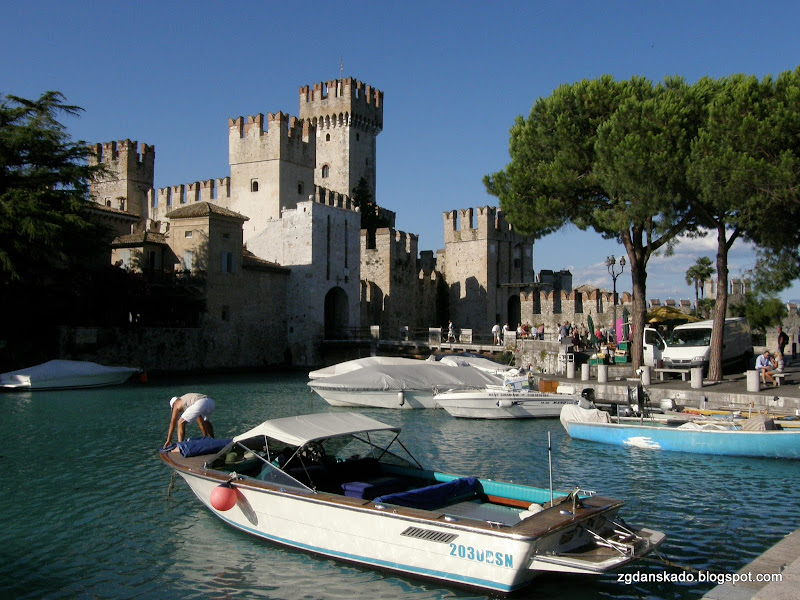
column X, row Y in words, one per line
column 610, row 262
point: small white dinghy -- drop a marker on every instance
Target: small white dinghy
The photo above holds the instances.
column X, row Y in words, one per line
column 64, row 375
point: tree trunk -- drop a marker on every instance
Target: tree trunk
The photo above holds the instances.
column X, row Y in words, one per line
column 715, row 358
column 639, row 312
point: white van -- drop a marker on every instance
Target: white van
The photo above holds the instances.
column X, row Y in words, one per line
column 690, row 345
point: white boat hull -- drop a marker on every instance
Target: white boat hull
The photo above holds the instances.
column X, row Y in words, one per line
column 378, row 536
column 503, row 404
column 407, row 399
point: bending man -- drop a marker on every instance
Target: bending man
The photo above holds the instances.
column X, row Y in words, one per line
column 187, row 408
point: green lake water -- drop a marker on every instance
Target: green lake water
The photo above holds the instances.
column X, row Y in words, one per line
column 85, row 512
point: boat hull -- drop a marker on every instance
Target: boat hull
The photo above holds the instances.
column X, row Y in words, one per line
column 400, row 540
column 406, row 399
column 766, row 444
column 501, row 404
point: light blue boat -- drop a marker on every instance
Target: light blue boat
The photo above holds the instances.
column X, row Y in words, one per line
column 697, row 440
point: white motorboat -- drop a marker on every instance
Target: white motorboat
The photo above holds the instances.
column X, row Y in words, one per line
column 398, row 386
column 514, row 399
column 65, row 374
column 342, row 485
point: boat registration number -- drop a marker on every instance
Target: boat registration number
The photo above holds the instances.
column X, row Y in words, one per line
column 501, row 559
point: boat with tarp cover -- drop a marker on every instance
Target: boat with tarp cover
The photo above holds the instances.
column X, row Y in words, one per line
column 65, row 374
column 343, row 485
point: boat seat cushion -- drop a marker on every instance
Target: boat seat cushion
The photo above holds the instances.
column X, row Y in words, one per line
column 373, row 487
column 436, row 496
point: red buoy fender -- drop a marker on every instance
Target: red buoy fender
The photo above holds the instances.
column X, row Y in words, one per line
column 223, row 497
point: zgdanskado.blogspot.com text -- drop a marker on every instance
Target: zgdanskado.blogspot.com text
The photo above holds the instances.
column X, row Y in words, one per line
column 698, row 577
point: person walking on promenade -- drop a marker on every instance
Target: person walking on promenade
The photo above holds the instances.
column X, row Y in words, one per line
column 783, row 339
column 187, row 408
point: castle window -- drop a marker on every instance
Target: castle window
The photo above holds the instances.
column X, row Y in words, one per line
column 226, row 236
column 108, row 203
column 358, row 136
column 328, row 137
column 226, row 313
column 300, row 187
column 187, row 234
column 228, row 262
column 254, row 185
column 326, row 171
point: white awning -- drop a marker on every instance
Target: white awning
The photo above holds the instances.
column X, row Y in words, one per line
column 302, row 429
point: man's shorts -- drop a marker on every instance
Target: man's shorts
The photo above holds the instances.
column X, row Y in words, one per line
column 200, row 409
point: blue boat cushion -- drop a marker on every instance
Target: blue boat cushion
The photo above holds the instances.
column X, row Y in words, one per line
column 435, row 496
column 198, row 446
column 373, row 487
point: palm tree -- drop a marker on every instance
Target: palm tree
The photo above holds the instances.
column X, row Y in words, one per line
column 700, row 272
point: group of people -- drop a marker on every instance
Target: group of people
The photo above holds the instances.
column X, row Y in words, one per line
column 769, row 364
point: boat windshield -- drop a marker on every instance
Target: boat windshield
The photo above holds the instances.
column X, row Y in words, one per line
column 690, row 337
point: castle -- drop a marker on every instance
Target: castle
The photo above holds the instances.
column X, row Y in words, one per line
column 277, row 251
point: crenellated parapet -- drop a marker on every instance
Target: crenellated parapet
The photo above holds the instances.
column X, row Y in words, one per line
column 210, row 190
column 483, row 223
column 284, row 138
column 325, row 196
column 125, row 155
column 340, row 102
column 397, row 245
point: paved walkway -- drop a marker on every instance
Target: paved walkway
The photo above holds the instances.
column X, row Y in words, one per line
column 783, row 558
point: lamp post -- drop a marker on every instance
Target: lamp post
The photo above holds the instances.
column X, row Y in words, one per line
column 610, row 262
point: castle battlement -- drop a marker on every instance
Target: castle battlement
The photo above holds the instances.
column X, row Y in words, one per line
column 400, row 245
column 284, row 138
column 325, row 196
column 210, row 190
column 125, row 152
column 360, row 103
column 483, row 223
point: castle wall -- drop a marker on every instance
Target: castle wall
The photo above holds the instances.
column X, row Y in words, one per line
column 320, row 244
column 393, row 294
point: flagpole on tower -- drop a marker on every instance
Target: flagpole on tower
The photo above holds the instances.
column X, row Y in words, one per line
column 341, row 68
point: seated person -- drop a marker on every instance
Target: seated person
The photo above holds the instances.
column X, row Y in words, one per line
column 778, row 363
column 764, row 367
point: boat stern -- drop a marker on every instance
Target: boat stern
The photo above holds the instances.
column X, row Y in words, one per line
column 608, row 549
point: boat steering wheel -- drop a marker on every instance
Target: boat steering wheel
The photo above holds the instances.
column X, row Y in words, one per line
column 313, row 451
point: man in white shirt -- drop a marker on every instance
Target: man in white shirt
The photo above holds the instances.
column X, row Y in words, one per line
column 187, row 408
column 764, row 367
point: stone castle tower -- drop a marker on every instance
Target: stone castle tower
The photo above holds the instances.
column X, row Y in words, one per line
column 131, row 176
column 348, row 116
column 486, row 266
column 272, row 168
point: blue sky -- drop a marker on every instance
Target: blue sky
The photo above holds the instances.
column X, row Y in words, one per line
column 454, row 74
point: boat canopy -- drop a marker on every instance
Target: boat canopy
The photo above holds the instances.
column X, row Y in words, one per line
column 296, row 431
column 423, row 376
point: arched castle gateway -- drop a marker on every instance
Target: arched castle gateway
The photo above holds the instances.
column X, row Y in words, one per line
column 276, row 252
